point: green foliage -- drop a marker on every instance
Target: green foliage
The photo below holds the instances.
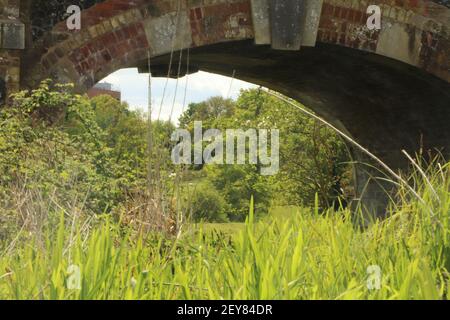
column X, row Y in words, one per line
column 125, row 136
column 37, row 153
column 97, row 149
column 57, row 142
column 238, row 183
column 66, row 146
column 207, row 111
column 207, row 204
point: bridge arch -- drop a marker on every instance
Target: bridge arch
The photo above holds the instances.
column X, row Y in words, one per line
column 389, row 89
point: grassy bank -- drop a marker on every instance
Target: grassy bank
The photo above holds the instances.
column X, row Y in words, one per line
column 306, row 255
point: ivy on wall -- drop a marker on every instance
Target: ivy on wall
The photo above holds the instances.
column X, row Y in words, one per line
column 46, row 13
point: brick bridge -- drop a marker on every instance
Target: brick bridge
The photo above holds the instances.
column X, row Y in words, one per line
column 389, row 89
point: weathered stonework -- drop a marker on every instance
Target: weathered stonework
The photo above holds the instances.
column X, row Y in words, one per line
column 415, row 32
column 12, row 41
column 388, row 89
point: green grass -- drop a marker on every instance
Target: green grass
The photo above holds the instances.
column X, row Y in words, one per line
column 230, row 228
column 303, row 255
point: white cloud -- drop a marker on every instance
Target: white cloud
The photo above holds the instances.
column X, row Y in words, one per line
column 219, row 85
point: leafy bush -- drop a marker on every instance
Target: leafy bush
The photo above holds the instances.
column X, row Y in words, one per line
column 207, row 204
column 237, row 184
column 35, row 151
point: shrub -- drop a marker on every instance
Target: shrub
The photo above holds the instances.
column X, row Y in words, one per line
column 36, row 153
column 238, row 183
column 207, row 204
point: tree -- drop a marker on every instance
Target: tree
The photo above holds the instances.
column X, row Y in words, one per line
column 313, row 159
column 209, row 111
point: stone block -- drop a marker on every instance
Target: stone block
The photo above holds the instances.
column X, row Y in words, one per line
column 311, row 19
column 161, row 30
column 12, row 34
column 308, row 20
column 286, row 21
column 261, row 22
column 407, row 42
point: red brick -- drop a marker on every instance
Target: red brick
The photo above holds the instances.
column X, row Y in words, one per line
column 84, row 66
column 198, row 13
column 106, row 56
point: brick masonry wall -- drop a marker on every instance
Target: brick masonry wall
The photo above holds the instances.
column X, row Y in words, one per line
column 117, row 34
column 413, row 31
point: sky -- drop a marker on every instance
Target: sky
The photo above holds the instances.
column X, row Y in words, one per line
column 201, row 86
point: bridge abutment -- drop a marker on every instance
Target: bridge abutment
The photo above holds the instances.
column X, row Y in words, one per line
column 12, row 42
